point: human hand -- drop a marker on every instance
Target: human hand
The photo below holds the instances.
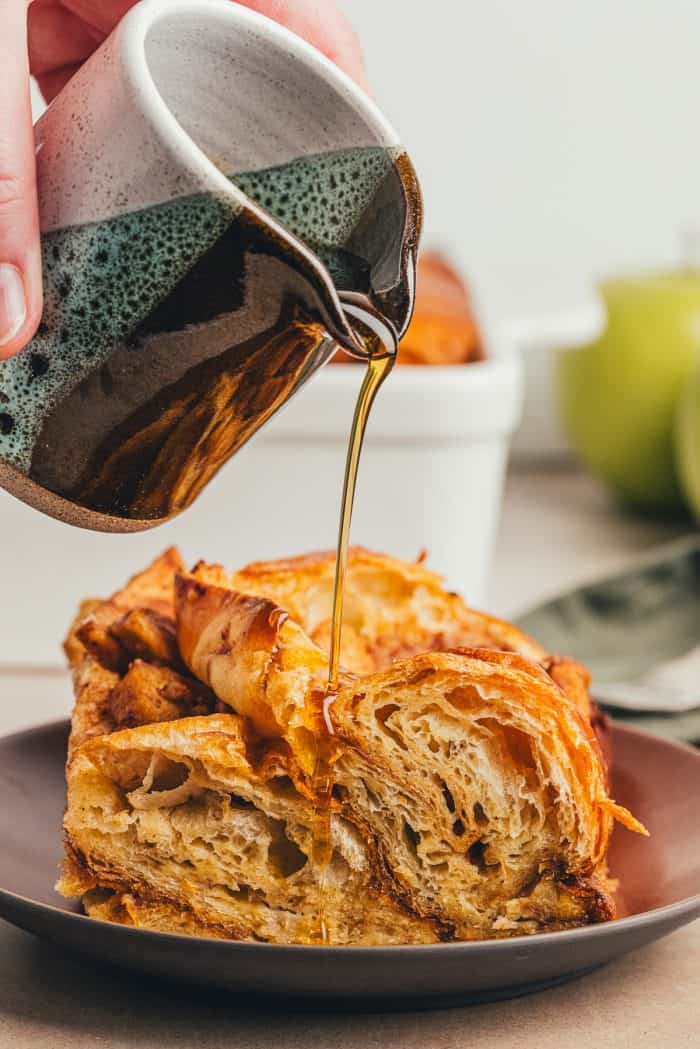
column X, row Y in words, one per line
column 51, row 39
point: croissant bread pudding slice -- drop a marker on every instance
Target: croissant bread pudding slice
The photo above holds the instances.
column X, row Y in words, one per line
column 470, row 794
column 391, row 609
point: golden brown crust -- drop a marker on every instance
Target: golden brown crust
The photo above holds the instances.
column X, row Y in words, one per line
column 470, row 793
column 97, row 640
column 152, row 589
column 573, row 679
column 142, row 912
column 517, row 693
column 103, row 641
column 392, row 608
column 224, row 760
column 149, row 693
column 144, row 634
column 92, row 712
column 304, row 585
column 253, row 656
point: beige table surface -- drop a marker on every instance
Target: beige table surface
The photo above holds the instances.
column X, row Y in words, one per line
column 558, row 529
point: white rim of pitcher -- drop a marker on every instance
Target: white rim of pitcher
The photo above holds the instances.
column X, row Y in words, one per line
column 141, row 18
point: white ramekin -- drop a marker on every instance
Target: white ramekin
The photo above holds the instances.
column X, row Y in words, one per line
column 431, row 475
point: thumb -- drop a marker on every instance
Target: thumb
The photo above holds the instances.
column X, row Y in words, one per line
column 20, row 253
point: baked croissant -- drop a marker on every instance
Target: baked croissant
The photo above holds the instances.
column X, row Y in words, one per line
column 470, row 793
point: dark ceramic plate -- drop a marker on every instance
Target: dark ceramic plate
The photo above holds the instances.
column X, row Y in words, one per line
column 658, row 780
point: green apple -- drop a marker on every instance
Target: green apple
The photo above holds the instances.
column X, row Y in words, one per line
column 619, row 394
column 688, row 440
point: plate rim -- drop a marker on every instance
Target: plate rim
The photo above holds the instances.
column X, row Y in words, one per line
column 488, row 946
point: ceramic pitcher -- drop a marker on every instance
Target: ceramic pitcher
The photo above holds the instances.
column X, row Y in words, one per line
column 211, row 190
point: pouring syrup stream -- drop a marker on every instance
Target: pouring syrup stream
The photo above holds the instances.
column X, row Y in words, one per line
column 380, row 345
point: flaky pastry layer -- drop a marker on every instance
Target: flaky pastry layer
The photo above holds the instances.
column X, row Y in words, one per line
column 470, row 793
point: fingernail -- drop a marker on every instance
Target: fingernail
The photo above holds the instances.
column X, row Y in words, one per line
column 13, row 306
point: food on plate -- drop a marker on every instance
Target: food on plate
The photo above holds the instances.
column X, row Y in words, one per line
column 470, row 790
column 444, row 329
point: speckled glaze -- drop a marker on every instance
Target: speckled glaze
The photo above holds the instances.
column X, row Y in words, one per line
column 191, row 118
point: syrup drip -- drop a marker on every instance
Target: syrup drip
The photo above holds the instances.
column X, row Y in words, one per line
column 379, row 342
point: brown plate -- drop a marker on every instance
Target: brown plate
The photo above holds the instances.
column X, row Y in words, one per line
column 660, row 877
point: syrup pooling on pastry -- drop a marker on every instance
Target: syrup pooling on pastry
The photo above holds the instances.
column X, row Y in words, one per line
column 380, row 344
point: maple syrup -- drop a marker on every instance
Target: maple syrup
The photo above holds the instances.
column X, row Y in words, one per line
column 380, row 344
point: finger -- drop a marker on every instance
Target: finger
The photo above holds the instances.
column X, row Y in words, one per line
column 57, row 37
column 20, row 254
column 320, row 23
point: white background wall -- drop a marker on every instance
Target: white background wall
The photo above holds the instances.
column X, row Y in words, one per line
column 547, row 133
